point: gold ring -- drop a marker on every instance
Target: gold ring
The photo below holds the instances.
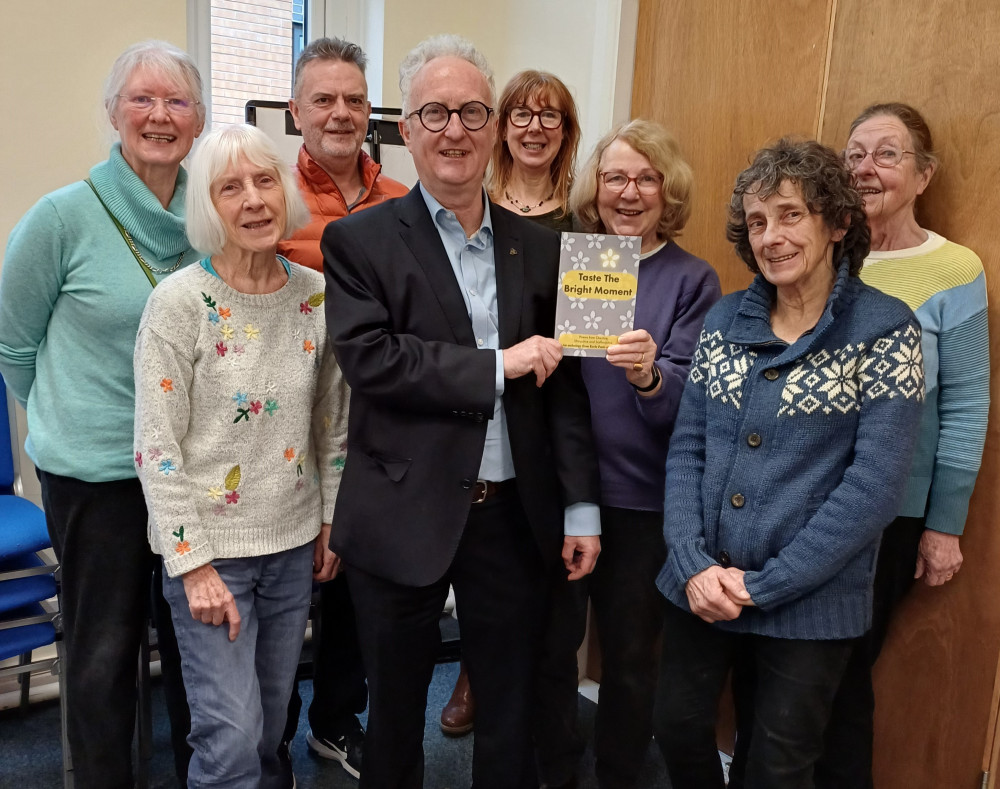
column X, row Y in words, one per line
column 637, row 367
column 642, row 357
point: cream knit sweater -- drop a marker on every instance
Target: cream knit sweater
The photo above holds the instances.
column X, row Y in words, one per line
column 241, row 418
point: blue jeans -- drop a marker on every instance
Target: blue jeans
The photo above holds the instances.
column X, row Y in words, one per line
column 796, row 683
column 238, row 690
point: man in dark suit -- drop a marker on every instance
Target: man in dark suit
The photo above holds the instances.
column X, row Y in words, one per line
column 470, row 458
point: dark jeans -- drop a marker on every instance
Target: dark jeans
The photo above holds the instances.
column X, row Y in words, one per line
column 796, row 682
column 340, row 692
column 498, row 575
column 98, row 531
column 627, row 614
column 847, row 759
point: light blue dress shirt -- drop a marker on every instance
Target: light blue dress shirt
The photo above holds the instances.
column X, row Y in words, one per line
column 473, row 264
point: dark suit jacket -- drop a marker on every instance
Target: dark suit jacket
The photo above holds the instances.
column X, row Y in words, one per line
column 421, row 391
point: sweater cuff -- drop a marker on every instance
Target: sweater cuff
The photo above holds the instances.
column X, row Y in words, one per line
column 948, row 502
column 178, row 563
column 688, row 559
column 767, row 588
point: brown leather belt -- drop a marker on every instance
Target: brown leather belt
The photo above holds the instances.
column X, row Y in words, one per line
column 484, row 490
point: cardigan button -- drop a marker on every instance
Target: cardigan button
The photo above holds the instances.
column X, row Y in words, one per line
column 737, row 500
column 753, row 440
column 724, row 559
column 771, row 374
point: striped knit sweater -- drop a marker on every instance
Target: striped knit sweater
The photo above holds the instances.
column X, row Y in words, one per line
column 788, row 461
column 945, row 286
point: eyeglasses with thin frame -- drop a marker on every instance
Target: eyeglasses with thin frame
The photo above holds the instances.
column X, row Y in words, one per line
column 884, row 156
column 435, row 116
column 646, row 183
column 547, row 116
column 142, row 103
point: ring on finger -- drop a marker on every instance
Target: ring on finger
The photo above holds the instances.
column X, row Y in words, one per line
column 637, row 367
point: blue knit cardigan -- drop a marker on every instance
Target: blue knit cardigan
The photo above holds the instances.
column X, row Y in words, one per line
column 788, row 461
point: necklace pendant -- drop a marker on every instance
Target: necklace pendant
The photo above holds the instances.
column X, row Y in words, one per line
column 525, row 209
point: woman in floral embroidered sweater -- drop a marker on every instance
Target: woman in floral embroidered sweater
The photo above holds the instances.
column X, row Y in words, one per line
column 788, row 459
column 241, row 418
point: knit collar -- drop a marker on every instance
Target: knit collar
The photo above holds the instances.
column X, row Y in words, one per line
column 321, row 182
column 155, row 228
column 752, row 322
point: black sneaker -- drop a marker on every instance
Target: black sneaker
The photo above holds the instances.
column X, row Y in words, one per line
column 346, row 748
column 285, row 761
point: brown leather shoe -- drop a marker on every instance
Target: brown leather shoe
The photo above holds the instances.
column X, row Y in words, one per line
column 458, row 714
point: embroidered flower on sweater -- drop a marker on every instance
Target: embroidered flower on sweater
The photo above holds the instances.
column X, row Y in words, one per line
column 138, row 459
column 213, row 318
column 238, row 348
column 307, row 346
column 224, row 313
column 232, row 497
column 183, row 546
column 155, row 454
column 271, row 406
column 220, row 348
column 227, row 332
column 338, row 463
column 304, row 308
column 251, row 332
column 255, row 407
column 215, row 493
column 240, row 398
column 166, row 466
column 290, row 454
column 167, row 385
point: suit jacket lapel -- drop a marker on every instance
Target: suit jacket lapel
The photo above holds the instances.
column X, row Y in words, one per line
column 508, row 256
column 421, row 237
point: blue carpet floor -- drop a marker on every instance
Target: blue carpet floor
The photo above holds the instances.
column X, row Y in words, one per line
column 30, row 755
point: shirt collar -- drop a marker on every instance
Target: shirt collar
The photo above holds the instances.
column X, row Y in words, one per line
column 445, row 219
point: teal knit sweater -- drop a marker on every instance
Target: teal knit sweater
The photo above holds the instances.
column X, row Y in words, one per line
column 71, row 295
column 788, row 461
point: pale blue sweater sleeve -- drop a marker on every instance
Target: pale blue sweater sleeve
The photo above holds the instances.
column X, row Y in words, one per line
column 963, row 406
column 30, row 282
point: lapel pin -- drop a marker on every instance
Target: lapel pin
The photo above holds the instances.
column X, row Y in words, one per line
column 513, row 251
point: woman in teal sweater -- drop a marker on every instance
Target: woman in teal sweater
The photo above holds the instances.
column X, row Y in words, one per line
column 77, row 271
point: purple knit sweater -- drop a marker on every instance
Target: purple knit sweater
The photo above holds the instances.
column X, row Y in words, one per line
column 632, row 432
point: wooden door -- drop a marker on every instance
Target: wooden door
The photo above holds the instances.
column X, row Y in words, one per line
column 726, row 77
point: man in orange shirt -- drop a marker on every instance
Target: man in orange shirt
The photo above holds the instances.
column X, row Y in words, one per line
column 336, row 177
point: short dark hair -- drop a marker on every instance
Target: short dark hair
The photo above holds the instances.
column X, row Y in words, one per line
column 910, row 117
column 328, row 49
column 826, row 187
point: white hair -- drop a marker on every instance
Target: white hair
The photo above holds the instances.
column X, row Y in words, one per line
column 444, row 45
column 218, row 149
column 173, row 62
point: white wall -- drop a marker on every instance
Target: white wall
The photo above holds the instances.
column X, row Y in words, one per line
column 54, row 56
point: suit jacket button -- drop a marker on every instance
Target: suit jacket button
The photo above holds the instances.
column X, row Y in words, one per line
column 467, row 484
column 724, row 559
column 737, row 500
column 771, row 374
column 753, row 440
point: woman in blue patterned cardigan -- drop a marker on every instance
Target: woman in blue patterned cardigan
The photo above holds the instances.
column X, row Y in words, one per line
column 789, row 458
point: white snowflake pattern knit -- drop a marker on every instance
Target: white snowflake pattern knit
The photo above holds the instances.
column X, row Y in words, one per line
column 241, row 418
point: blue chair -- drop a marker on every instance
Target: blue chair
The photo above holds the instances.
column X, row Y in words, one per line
column 25, row 580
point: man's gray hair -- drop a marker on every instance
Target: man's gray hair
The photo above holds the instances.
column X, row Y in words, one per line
column 445, row 45
column 336, row 49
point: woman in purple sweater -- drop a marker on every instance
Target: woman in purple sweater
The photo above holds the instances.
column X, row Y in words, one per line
column 635, row 183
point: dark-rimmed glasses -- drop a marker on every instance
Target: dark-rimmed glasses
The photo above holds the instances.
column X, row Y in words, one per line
column 522, row 116
column 646, row 183
column 883, row 156
column 142, row 103
column 435, row 116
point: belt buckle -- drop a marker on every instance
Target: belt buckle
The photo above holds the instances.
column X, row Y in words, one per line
column 479, row 491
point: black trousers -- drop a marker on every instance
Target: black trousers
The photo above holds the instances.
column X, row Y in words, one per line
column 498, row 575
column 796, row 683
column 98, row 531
column 340, row 689
column 847, row 754
column 628, row 618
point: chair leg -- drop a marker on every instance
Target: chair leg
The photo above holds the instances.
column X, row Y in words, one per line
column 24, row 681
